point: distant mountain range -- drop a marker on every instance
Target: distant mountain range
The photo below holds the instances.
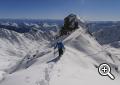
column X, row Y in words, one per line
column 17, row 39
column 105, row 32
column 25, row 25
column 98, row 25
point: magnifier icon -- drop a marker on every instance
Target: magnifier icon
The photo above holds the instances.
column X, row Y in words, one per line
column 105, row 70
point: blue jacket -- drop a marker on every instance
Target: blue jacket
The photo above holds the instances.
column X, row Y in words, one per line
column 59, row 45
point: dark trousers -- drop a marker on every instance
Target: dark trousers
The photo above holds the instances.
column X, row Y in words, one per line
column 58, row 57
column 60, row 52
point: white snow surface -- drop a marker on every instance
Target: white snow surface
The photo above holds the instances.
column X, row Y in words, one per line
column 76, row 67
column 15, row 47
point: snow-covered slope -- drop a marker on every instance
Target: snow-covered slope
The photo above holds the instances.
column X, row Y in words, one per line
column 85, row 43
column 77, row 66
column 76, row 69
column 14, row 46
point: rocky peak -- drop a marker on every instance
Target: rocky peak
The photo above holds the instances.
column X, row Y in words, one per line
column 71, row 23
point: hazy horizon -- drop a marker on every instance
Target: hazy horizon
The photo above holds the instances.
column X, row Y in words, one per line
column 89, row 10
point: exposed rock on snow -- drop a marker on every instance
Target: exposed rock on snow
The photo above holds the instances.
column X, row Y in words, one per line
column 77, row 66
column 71, row 23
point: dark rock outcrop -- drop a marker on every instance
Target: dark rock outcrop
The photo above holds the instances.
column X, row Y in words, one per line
column 71, row 23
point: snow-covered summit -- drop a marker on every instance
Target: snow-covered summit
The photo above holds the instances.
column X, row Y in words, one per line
column 77, row 66
column 72, row 21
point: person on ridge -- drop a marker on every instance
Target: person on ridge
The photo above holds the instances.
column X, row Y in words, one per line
column 60, row 47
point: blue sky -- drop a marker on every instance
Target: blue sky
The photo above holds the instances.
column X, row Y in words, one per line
column 105, row 10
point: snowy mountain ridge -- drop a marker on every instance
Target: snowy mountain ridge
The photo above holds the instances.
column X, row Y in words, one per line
column 78, row 65
column 16, row 45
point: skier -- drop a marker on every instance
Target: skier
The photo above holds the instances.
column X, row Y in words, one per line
column 60, row 47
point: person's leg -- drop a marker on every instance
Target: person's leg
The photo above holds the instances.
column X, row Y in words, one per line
column 59, row 52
